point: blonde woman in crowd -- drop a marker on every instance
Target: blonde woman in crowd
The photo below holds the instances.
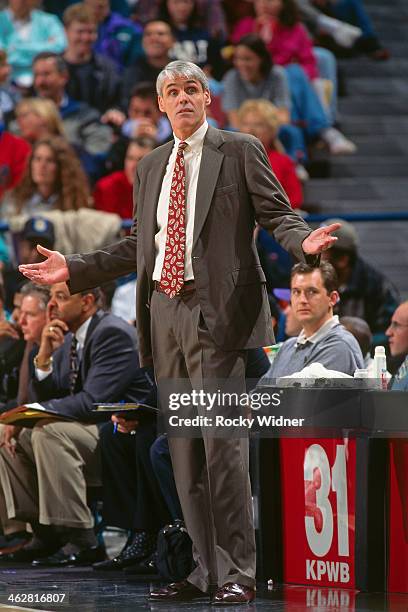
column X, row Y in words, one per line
column 38, row 118
column 261, row 119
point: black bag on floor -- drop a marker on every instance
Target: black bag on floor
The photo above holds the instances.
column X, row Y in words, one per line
column 174, row 560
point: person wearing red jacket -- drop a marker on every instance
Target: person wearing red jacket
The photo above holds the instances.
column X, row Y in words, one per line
column 114, row 193
column 14, row 152
column 261, row 119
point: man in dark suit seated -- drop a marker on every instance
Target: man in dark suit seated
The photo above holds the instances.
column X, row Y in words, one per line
column 85, row 356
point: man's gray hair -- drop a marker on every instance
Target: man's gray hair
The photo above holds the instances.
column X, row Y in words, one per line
column 184, row 70
column 42, row 293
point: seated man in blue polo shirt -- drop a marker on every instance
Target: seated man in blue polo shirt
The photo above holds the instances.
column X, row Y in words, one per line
column 322, row 338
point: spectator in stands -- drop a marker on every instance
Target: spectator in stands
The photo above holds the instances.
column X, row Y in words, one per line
column 397, row 334
column 16, row 376
column 96, row 361
column 289, row 44
column 14, row 152
column 26, row 31
column 351, row 13
column 144, row 119
column 362, row 333
column 314, row 293
column 261, row 119
column 212, row 11
column 343, row 34
column 193, row 42
column 9, row 94
column 38, row 118
column 364, row 291
column 81, row 123
column 158, row 40
column 53, row 179
column 58, row 6
column 119, row 38
column 29, row 319
column 114, row 193
column 144, row 116
column 37, row 230
column 254, row 76
column 93, row 78
column 287, row 40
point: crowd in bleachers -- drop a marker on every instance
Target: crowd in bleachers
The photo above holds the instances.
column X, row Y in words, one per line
column 78, row 111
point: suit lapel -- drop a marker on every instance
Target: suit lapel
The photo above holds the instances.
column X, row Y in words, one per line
column 211, row 160
column 149, row 215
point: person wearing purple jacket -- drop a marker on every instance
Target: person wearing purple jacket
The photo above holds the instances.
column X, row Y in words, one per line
column 119, row 38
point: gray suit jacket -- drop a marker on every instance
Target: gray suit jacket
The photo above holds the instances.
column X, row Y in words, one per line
column 236, row 188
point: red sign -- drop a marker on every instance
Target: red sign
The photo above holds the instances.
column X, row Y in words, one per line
column 398, row 524
column 318, row 508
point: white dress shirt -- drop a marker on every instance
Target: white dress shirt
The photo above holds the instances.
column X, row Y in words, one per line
column 80, row 335
column 192, row 161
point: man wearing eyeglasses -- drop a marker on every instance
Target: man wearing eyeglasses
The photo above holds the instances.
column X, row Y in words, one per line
column 397, row 334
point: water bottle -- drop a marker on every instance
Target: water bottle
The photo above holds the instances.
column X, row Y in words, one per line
column 380, row 367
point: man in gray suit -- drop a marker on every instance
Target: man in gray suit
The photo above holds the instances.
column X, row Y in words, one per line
column 201, row 303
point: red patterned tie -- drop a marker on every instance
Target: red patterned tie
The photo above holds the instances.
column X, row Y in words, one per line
column 172, row 276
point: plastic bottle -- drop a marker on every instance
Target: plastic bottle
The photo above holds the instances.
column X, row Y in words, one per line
column 380, row 367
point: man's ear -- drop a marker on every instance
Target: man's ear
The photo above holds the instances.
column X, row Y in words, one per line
column 88, row 301
column 334, row 298
column 160, row 103
column 207, row 97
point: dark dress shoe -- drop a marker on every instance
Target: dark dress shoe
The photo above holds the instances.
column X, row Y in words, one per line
column 177, row 591
column 233, row 593
column 67, row 555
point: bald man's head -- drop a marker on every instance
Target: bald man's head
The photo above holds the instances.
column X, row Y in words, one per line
column 397, row 332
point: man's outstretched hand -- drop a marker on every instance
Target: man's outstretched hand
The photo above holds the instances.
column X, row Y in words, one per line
column 53, row 270
column 320, row 239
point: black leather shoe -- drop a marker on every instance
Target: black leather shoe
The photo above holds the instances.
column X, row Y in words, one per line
column 64, row 557
column 142, row 547
column 233, row 593
column 177, row 591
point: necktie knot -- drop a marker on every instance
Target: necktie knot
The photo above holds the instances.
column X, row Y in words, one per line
column 181, row 147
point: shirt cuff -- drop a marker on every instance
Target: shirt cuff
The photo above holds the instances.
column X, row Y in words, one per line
column 42, row 374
